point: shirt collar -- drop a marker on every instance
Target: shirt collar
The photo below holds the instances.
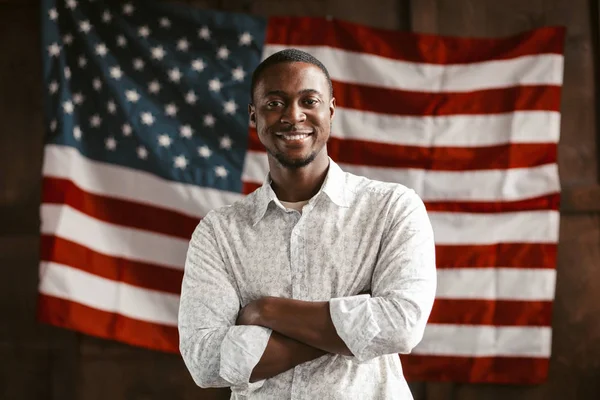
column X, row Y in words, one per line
column 334, row 187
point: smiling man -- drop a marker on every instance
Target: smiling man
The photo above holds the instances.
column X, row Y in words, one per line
column 310, row 286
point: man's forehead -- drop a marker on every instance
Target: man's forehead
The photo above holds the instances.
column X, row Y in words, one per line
column 285, row 74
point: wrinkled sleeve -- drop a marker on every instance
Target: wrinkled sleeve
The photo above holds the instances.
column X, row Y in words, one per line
column 216, row 352
column 392, row 320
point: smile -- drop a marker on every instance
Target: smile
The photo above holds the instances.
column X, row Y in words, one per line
column 293, row 137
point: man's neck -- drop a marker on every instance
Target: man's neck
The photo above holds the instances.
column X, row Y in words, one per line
column 298, row 184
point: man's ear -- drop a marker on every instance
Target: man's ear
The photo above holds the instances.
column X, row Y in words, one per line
column 252, row 115
column 332, row 108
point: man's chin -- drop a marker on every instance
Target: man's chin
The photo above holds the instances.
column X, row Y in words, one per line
column 294, row 163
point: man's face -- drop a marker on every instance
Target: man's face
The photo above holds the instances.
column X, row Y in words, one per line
column 293, row 110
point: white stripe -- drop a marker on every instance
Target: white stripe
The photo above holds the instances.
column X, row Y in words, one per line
column 481, row 185
column 133, row 244
column 107, row 295
column 496, row 284
column 447, row 131
column 128, row 184
column 485, row 341
column 373, row 70
column 511, row 227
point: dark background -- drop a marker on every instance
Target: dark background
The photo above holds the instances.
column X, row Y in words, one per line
column 42, row 362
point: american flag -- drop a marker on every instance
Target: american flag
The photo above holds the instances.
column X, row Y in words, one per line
column 147, row 130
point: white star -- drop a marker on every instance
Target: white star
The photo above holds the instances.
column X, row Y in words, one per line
column 95, row 121
column 53, row 87
column 147, row 118
column 77, row 133
column 158, row 53
column 53, row 125
column 209, row 120
column 225, row 143
column 116, row 72
column 132, row 96
column 220, row 171
column 121, row 41
column 106, row 16
column 183, row 44
column 144, row 31
column 214, row 85
column 229, row 107
column 204, row 33
column 128, row 9
column 154, row 87
column 198, row 65
column 238, row 74
column 54, row 50
column 186, row 131
column 204, row 151
column 53, row 14
column 68, row 107
column 68, row 39
column 126, row 129
column 138, row 64
column 171, row 110
column 85, row 26
column 101, row 49
column 164, row 140
column 78, row 98
column 97, row 83
column 175, row 75
column 181, row 162
column 82, row 61
column 245, row 39
column 222, row 53
column 191, row 97
column 71, row 4
column 110, row 143
column 112, row 107
column 165, row 22
column 67, row 73
column 142, row 152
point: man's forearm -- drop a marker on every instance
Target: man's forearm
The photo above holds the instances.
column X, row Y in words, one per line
column 281, row 354
column 305, row 321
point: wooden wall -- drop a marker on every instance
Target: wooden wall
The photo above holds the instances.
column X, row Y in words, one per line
column 42, row 362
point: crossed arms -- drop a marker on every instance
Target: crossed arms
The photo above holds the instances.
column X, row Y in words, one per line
column 224, row 346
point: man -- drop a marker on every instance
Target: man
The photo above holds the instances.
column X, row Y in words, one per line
column 310, row 286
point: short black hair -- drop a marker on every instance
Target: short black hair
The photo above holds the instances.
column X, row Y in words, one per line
column 288, row 55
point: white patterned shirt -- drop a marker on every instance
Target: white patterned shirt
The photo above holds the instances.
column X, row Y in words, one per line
column 354, row 235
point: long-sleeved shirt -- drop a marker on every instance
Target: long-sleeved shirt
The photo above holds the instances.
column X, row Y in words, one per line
column 354, row 235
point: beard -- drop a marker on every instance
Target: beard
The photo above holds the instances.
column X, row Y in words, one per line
column 292, row 163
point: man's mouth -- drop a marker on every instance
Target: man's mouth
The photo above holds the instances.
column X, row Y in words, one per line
column 293, row 136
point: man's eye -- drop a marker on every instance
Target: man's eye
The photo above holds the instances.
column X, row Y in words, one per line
column 274, row 104
column 310, row 102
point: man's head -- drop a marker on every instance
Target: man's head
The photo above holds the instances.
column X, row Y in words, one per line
column 292, row 107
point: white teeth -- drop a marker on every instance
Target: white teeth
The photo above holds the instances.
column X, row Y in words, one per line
column 294, row 137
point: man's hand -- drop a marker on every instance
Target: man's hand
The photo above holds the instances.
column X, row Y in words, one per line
column 251, row 314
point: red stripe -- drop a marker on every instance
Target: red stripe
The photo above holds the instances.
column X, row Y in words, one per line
column 547, row 202
column 140, row 274
column 492, row 312
column 71, row 315
column 387, row 155
column 491, row 101
column 506, row 255
column 307, row 31
column 116, row 211
column 513, row 370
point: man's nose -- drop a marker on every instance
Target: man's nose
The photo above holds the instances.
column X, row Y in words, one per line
column 293, row 114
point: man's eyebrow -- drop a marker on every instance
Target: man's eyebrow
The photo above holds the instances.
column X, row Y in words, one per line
column 284, row 94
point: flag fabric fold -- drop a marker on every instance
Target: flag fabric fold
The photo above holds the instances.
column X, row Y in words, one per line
column 147, row 130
